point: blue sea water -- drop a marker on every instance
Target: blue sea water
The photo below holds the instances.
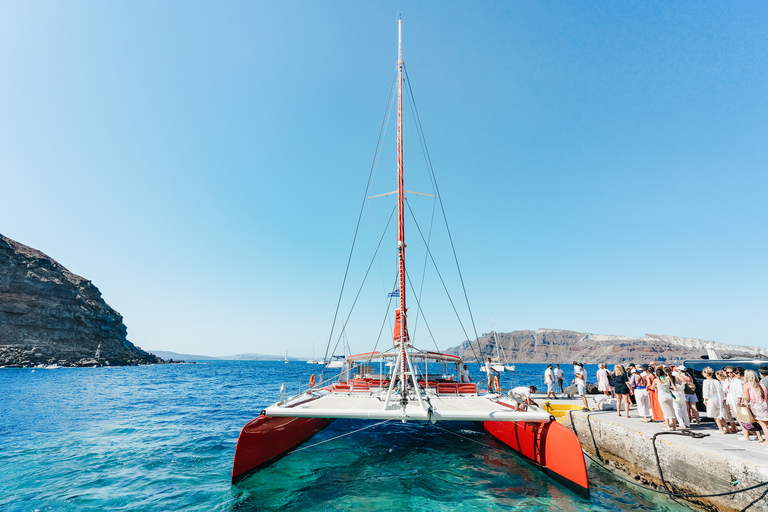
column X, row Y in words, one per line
column 163, row 438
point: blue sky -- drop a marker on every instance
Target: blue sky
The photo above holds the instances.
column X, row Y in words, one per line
column 602, row 165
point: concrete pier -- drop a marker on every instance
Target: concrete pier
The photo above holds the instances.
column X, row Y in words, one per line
column 710, row 465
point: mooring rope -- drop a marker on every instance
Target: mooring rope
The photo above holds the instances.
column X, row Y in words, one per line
column 340, row 436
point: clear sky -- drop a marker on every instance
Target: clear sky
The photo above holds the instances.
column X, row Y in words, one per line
column 602, row 164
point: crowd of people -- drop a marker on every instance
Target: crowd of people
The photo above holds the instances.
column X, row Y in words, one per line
column 734, row 397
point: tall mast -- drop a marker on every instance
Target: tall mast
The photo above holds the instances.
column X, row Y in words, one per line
column 402, row 333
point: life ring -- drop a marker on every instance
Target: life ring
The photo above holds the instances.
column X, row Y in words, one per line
column 496, row 383
column 312, row 381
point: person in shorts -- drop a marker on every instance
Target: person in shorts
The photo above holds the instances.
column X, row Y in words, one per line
column 690, row 394
column 549, row 380
column 581, row 382
column 523, row 395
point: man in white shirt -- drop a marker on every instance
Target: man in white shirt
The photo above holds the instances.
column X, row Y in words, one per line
column 464, row 375
column 489, row 371
column 581, row 382
column 559, row 377
column 549, row 380
column 523, row 394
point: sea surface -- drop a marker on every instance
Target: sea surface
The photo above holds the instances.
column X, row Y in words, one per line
column 163, row 437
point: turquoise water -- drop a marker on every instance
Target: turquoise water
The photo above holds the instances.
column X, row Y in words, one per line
column 163, row 438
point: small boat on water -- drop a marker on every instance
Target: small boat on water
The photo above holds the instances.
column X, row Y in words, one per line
column 404, row 383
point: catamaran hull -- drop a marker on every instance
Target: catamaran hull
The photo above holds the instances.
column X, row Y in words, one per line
column 552, row 446
column 264, row 440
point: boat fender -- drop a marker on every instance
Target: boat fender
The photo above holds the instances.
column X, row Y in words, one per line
column 496, row 383
column 312, row 381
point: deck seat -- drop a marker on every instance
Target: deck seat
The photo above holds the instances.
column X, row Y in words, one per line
column 360, row 386
column 468, row 388
column 445, row 388
column 341, row 388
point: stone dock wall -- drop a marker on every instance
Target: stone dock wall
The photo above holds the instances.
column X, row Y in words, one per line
column 710, row 465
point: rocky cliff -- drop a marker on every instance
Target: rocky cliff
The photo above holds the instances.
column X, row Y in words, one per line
column 557, row 346
column 48, row 315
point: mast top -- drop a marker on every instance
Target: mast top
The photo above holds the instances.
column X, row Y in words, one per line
column 399, row 42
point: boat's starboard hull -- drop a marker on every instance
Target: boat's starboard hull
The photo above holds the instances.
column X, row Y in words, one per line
column 264, row 440
column 551, row 445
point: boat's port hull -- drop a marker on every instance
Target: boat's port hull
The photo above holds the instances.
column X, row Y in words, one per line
column 264, row 440
column 552, row 446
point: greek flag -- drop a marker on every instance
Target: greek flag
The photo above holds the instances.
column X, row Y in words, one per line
column 395, row 293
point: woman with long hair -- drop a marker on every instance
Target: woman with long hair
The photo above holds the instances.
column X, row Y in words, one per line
column 643, row 399
column 604, row 380
column 662, row 386
column 677, row 385
column 730, row 422
column 755, row 395
column 712, row 394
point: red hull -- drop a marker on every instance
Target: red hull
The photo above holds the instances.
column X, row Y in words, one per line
column 264, row 440
column 551, row 445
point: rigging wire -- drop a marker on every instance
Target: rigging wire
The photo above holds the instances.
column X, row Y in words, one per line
column 360, row 215
column 340, row 436
column 365, row 277
column 442, row 281
column 442, row 208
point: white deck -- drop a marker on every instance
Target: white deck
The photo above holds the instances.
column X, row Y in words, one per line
column 435, row 408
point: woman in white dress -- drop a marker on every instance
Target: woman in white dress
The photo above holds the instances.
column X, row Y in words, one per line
column 678, row 403
column 728, row 419
column 712, row 394
column 662, row 385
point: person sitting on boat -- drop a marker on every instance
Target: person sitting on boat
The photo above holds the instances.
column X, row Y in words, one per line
column 464, row 375
column 523, row 395
column 489, row 372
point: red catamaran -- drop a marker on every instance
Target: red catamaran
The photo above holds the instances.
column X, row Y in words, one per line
column 395, row 385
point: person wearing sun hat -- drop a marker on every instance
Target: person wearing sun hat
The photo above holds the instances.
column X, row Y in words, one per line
column 763, row 375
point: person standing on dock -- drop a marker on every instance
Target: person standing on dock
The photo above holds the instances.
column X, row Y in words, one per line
column 581, row 382
column 712, row 394
column 690, row 394
column 559, row 374
column 763, row 375
column 604, row 380
column 756, row 397
column 639, row 385
column 730, row 421
column 549, row 380
column 621, row 386
column 662, row 386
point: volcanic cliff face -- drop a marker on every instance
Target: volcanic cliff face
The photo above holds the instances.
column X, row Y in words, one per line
column 557, row 346
column 48, row 315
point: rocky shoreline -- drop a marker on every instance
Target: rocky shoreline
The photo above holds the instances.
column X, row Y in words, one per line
column 50, row 316
column 561, row 346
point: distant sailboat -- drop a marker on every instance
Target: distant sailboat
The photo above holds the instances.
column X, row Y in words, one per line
column 286, row 358
column 312, row 361
column 496, row 361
